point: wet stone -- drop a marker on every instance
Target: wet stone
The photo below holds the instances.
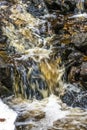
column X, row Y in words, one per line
column 3, row 39
column 5, row 77
column 81, row 101
column 4, row 91
column 75, row 97
column 36, row 10
column 64, row 7
column 69, row 124
column 25, row 127
column 80, row 42
column 32, row 115
column 83, row 72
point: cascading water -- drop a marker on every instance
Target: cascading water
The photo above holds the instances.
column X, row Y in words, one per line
column 80, row 6
column 80, row 10
column 39, row 70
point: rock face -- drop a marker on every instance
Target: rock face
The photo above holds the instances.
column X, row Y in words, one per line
column 64, row 6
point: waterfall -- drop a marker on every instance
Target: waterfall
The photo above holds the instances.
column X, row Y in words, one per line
column 80, row 10
column 80, row 6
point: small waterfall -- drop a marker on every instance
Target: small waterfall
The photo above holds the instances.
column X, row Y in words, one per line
column 36, row 80
column 42, row 45
column 30, row 50
column 80, row 10
column 80, row 6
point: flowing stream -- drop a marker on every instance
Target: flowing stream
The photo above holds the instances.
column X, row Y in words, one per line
column 33, row 78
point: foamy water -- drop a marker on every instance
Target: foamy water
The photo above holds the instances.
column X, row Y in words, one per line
column 53, row 112
column 47, row 114
column 84, row 15
column 7, row 117
column 50, row 107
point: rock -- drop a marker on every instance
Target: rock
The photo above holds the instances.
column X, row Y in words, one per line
column 74, row 121
column 5, row 77
column 74, row 74
column 75, row 96
column 31, row 114
column 80, row 42
column 37, row 8
column 53, row 5
column 81, row 100
column 4, row 91
column 25, row 127
column 64, row 7
column 34, row 115
column 83, row 74
column 3, row 39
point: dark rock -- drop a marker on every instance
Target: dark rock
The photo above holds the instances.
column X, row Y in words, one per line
column 53, row 5
column 83, row 72
column 81, row 100
column 32, row 115
column 71, row 4
column 80, row 42
column 64, row 7
column 74, row 74
column 4, row 91
column 75, row 97
column 5, row 77
column 3, row 2
column 3, row 39
column 68, row 98
column 57, row 24
column 37, row 8
column 78, row 74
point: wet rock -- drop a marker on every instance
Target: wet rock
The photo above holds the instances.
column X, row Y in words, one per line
column 72, row 121
column 53, row 5
column 25, row 127
column 63, row 6
column 68, row 98
column 33, row 115
column 3, row 39
column 37, row 8
column 4, row 91
column 83, row 74
column 77, row 73
column 80, row 42
column 81, row 100
column 74, row 74
column 5, row 77
column 75, row 96
column 57, row 24
column 6, row 83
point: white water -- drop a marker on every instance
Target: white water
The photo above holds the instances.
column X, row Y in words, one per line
column 53, row 112
column 50, row 106
column 84, row 15
column 7, row 117
column 42, row 115
column 80, row 7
